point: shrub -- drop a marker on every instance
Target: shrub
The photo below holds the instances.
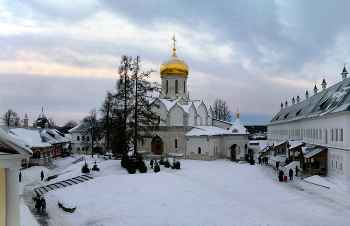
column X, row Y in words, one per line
column 142, row 167
column 156, row 167
column 176, row 164
column 85, row 168
column 131, row 169
column 95, row 168
column 166, row 163
column 125, row 160
column 161, row 161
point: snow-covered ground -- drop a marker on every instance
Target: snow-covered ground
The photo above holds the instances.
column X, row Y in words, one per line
column 219, row 192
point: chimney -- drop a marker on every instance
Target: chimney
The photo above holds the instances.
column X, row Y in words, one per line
column 307, row 94
column 315, row 89
column 298, row 98
column 324, row 83
column 281, row 105
column 344, row 74
column 25, row 121
column 46, row 125
column 34, row 124
column 293, row 100
column 286, row 103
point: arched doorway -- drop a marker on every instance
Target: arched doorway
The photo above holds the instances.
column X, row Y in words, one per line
column 233, row 152
column 157, row 145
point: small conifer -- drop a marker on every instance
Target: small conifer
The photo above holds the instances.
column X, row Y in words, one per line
column 166, row 163
column 131, row 169
column 125, row 160
column 95, row 168
column 85, row 168
column 142, row 167
column 156, row 167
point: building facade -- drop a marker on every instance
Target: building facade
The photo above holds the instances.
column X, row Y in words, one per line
column 318, row 126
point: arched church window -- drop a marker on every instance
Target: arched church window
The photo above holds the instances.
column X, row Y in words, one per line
column 166, row 86
column 142, row 142
column 175, row 143
column 176, row 86
column 199, row 150
column 184, row 86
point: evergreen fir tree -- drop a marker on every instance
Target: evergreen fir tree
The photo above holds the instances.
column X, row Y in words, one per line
column 85, row 168
column 131, row 168
column 161, row 161
column 156, row 167
column 95, row 168
column 176, row 164
column 125, row 160
column 166, row 163
column 142, row 167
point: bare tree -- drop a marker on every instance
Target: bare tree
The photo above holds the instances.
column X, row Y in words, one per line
column 71, row 123
column 93, row 131
column 221, row 111
column 52, row 123
column 5, row 119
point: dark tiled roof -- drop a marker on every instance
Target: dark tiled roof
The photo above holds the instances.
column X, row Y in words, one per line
column 334, row 99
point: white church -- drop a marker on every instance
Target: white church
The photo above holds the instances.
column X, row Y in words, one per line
column 316, row 130
column 187, row 127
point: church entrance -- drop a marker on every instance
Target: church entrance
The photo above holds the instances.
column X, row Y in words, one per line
column 157, row 145
column 233, row 152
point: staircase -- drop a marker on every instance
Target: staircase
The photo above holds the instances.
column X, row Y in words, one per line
column 62, row 184
column 50, row 166
column 78, row 160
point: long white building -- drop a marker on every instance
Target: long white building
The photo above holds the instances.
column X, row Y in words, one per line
column 321, row 123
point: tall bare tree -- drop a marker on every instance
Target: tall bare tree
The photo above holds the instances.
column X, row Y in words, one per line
column 92, row 130
column 5, row 118
column 71, row 123
column 221, row 111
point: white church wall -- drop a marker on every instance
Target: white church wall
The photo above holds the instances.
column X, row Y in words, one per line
column 162, row 112
column 176, row 116
column 202, row 119
column 192, row 113
column 337, row 164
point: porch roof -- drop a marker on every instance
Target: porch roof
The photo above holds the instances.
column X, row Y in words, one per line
column 314, row 151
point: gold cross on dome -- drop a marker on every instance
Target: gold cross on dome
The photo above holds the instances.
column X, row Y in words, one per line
column 174, row 41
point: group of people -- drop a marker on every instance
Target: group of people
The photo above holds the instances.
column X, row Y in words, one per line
column 40, row 204
column 282, row 174
column 263, row 160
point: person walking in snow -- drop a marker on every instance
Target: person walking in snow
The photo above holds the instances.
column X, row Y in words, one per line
column 290, row 174
column 42, row 175
column 38, row 205
column 266, row 160
column 285, row 176
column 43, row 204
column 259, row 160
column 277, row 165
column 281, row 176
column 296, row 170
column 263, row 160
column 151, row 163
column 286, row 162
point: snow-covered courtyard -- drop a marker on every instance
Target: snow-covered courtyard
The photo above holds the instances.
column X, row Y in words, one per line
column 218, row 192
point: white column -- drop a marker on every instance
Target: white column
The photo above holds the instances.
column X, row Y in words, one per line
column 12, row 197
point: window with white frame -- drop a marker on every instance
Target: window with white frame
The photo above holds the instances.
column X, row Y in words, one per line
column 78, row 138
column 341, row 134
column 332, row 135
column 336, row 134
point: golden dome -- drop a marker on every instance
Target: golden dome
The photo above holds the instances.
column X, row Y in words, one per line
column 174, row 66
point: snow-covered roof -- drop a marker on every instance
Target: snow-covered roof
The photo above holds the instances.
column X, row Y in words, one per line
column 278, row 143
column 334, row 99
column 295, row 143
column 206, row 131
column 170, row 103
column 314, row 151
column 32, row 137
column 238, row 128
column 263, row 144
column 5, row 137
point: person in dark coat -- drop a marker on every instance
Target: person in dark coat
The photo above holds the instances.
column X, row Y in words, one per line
column 286, row 162
column 263, row 160
column 266, row 160
column 20, row 176
column 151, row 163
column 42, row 175
column 43, row 204
column 259, row 160
column 281, row 176
column 38, row 205
column 277, row 165
column 296, row 170
column 290, row 174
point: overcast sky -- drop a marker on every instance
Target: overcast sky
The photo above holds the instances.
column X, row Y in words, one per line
column 63, row 55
